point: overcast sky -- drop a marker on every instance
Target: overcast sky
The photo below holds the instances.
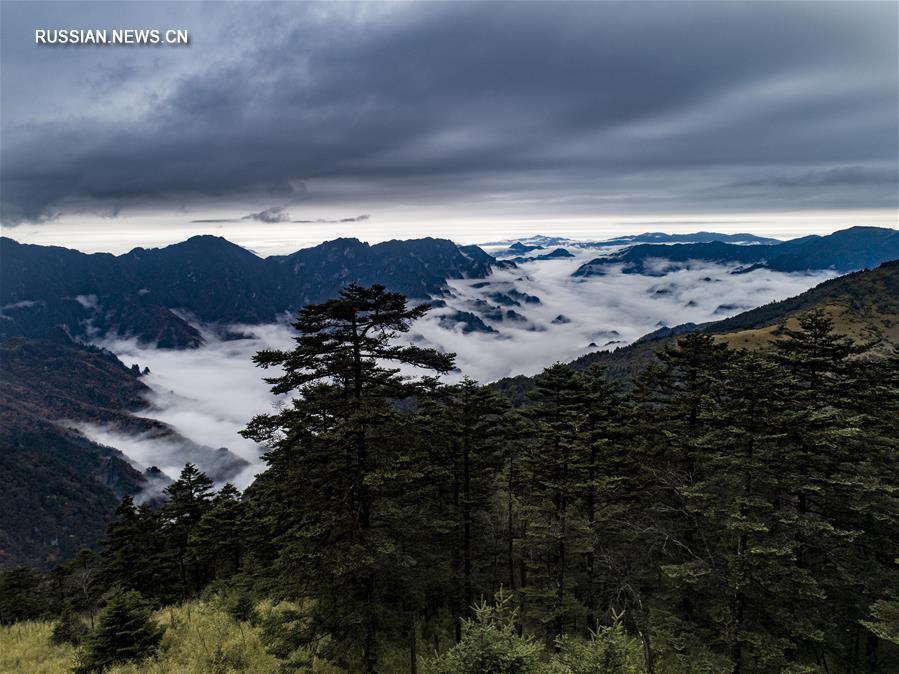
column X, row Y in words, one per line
column 287, row 124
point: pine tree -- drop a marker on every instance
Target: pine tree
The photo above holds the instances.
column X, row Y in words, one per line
column 339, row 491
column 671, row 395
column 491, row 643
column 22, row 596
column 556, row 465
column 609, row 650
column 609, row 483
column 125, row 632
column 843, row 501
column 68, row 628
column 131, row 555
column 217, row 540
column 746, row 563
column 189, row 499
column 468, row 425
column 847, row 411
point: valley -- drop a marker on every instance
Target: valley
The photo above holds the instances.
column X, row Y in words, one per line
column 178, row 327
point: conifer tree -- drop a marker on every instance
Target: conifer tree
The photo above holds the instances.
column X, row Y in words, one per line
column 468, row 425
column 125, row 632
column 845, row 496
column 342, row 445
column 22, row 596
column 491, row 643
column 189, row 499
column 132, row 555
column 556, row 466
column 672, row 394
column 217, row 540
column 68, row 628
column 747, row 558
column 610, row 481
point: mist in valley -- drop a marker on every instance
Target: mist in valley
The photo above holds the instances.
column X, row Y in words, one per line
column 208, row 394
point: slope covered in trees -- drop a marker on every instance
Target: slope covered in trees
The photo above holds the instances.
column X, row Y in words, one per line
column 735, row 511
column 59, row 488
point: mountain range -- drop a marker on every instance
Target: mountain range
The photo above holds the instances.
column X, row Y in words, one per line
column 62, row 487
column 59, row 488
column 147, row 293
column 843, row 251
column 155, row 294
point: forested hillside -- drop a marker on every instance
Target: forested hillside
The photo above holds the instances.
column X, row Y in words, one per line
column 60, row 489
column 733, row 511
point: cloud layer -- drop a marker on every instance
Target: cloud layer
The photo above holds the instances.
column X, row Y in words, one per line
column 514, row 107
column 206, row 394
column 209, row 394
column 600, row 312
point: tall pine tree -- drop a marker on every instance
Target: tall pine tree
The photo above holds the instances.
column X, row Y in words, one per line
column 341, row 445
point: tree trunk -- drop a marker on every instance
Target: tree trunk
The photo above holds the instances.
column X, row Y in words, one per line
column 455, row 562
column 466, row 526
column 510, row 550
column 591, row 555
column 413, row 648
column 871, row 646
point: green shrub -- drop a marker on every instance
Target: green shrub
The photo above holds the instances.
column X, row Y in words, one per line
column 610, row 650
column 69, row 629
column 490, row 643
column 125, row 632
column 241, row 606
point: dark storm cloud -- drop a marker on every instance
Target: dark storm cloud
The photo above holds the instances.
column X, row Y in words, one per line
column 628, row 106
column 850, row 175
column 273, row 214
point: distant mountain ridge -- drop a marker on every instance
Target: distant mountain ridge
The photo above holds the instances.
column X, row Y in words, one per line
column 693, row 237
column 539, row 242
column 155, row 294
column 141, row 292
column 844, row 251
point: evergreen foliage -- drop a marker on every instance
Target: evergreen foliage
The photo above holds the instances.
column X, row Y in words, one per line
column 22, row 596
column 69, row 628
column 125, row 632
column 342, row 499
column 733, row 512
column 491, row 643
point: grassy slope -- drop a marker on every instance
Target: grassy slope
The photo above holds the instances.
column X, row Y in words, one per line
column 199, row 638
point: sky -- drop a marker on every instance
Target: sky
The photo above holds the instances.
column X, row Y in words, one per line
column 285, row 124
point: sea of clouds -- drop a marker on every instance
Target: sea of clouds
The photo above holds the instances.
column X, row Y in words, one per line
column 605, row 311
column 209, row 394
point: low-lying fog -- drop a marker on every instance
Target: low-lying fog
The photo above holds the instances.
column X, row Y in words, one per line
column 206, row 394
column 606, row 311
column 209, row 394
